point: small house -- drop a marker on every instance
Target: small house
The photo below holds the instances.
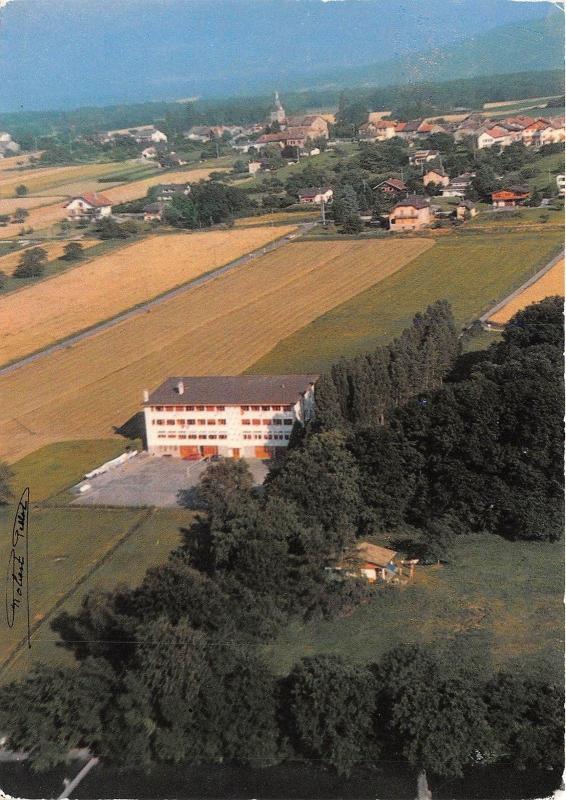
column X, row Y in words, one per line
column 459, row 185
column 153, row 212
column 392, row 186
column 420, row 157
column 413, row 214
column 254, row 166
column 376, row 564
column 166, row 191
column 465, row 210
column 509, row 198
column 90, row 205
column 316, row 196
column 436, row 176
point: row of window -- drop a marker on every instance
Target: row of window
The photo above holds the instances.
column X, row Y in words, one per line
column 220, row 408
column 211, row 422
column 191, row 436
column 264, row 436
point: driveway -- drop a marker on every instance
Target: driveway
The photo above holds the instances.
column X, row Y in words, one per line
column 150, row 481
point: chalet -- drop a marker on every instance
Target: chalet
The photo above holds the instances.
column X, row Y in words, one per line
column 465, row 209
column 459, row 185
column 376, row 564
column 166, row 191
column 199, row 133
column 420, row 157
column 90, row 205
column 231, row 416
column 392, row 186
column 413, row 213
column 509, row 198
column 315, row 196
column 153, row 212
column 436, row 176
column 497, row 135
column 378, row 131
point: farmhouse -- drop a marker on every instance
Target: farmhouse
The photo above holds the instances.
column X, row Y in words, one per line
column 376, row 564
column 315, row 196
column 153, row 212
column 378, row 130
column 89, row 206
column 166, row 191
column 8, row 147
column 509, row 198
column 413, row 213
column 145, row 134
column 246, row 415
column 436, row 176
column 392, row 186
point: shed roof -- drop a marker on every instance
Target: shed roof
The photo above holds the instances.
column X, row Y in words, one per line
column 375, row 554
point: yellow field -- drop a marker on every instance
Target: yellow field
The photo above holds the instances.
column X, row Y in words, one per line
column 551, row 283
column 43, row 178
column 10, row 205
column 9, row 262
column 38, row 219
column 278, row 216
column 11, row 163
column 137, row 189
column 218, row 328
column 71, row 301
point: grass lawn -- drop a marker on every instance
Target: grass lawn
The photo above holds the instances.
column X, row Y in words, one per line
column 497, row 605
column 64, row 543
column 472, row 271
column 553, row 164
column 84, row 534
column 58, row 466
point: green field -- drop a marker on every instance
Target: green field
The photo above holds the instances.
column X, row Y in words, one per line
column 553, row 164
column 59, row 466
column 498, row 604
column 84, row 536
column 472, row 270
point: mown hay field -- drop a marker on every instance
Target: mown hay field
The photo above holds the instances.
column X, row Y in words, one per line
column 551, row 283
column 10, row 205
column 9, row 262
column 278, row 217
column 472, row 271
column 38, row 219
column 71, row 301
column 43, row 178
column 220, row 327
column 137, row 189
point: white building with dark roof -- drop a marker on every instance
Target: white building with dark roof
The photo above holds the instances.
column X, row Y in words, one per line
column 232, row 416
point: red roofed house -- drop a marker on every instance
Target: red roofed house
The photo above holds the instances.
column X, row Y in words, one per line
column 378, row 130
column 90, row 205
column 496, row 136
column 509, row 198
column 411, row 214
column 531, row 134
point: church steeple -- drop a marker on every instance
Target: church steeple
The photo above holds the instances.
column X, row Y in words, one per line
column 278, row 112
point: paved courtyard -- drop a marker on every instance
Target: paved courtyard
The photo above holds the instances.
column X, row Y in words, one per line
column 151, row 481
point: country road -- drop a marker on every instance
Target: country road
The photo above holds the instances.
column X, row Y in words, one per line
column 303, row 227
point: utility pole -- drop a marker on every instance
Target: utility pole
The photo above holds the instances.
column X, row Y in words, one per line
column 322, row 209
column 423, row 792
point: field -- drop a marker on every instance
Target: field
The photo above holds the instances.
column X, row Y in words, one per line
column 73, row 550
column 9, row 206
column 278, row 217
column 74, row 300
column 38, row 219
column 8, row 263
column 472, row 271
column 220, row 327
column 551, row 283
column 42, row 179
column 52, row 469
column 497, row 604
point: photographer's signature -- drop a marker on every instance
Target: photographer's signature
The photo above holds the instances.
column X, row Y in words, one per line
column 17, row 572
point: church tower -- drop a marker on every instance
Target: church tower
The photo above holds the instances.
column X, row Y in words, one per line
column 278, row 112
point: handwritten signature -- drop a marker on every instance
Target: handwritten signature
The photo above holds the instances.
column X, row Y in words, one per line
column 17, row 573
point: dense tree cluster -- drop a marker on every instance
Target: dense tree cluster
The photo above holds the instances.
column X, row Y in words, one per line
column 209, row 203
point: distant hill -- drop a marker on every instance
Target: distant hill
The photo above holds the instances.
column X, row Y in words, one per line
column 69, row 53
column 534, row 46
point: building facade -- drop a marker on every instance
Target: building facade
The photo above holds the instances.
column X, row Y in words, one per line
column 412, row 214
column 88, row 206
column 230, row 416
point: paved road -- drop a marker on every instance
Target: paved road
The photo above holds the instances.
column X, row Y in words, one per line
column 303, row 227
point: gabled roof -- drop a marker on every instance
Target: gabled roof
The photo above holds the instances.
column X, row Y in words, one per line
column 436, row 171
column 497, row 132
column 312, row 191
column 374, row 554
column 93, row 199
column 510, row 194
column 395, row 183
column 413, row 202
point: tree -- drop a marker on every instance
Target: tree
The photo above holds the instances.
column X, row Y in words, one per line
column 32, row 263
column 328, row 707
column 221, row 481
column 20, row 214
column 345, row 204
column 437, row 722
column 6, row 474
column 3, row 279
column 539, row 323
column 271, row 154
column 352, row 225
column 21, row 190
column 483, row 183
column 527, row 718
column 108, row 228
column 73, row 251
